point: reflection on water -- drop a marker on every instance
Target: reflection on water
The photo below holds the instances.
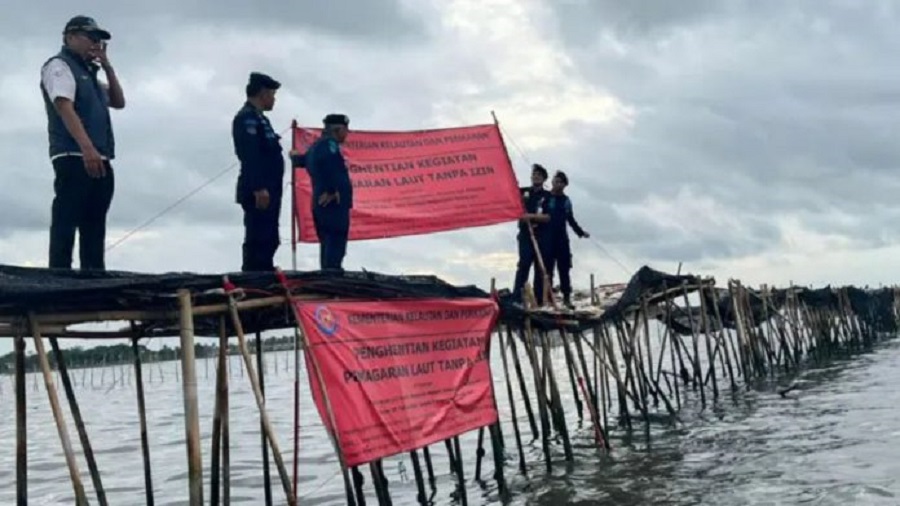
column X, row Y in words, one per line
column 831, row 441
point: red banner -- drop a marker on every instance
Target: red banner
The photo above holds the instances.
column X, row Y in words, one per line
column 401, row 375
column 418, row 182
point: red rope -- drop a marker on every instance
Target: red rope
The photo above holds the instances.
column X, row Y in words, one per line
column 230, row 287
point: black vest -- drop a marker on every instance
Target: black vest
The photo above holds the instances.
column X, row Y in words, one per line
column 91, row 105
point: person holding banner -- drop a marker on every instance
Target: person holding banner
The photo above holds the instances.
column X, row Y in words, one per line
column 533, row 197
column 554, row 242
column 260, row 182
column 332, row 190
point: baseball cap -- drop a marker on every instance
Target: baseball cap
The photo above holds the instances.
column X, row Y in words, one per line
column 86, row 24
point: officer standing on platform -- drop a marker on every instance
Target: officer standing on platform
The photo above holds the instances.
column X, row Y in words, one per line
column 554, row 243
column 533, row 196
column 260, row 182
column 332, row 191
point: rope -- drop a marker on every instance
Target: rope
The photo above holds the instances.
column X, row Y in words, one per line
column 611, row 257
column 176, row 203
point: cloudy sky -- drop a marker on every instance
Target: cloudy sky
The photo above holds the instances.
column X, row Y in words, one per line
column 747, row 139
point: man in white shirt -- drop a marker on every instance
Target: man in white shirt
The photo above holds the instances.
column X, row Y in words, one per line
column 82, row 144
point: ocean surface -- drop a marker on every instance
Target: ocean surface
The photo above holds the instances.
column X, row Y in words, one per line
column 832, row 440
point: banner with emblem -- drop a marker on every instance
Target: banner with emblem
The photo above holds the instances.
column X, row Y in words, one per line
column 417, row 182
column 401, row 374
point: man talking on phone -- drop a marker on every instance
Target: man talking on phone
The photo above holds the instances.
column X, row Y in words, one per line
column 82, row 145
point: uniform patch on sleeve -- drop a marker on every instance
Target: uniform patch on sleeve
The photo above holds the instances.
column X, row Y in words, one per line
column 333, row 147
column 250, row 126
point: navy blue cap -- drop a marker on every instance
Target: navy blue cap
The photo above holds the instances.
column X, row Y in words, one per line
column 86, row 24
column 260, row 80
column 336, row 119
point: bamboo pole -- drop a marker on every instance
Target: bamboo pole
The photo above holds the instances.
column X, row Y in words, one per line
column 296, row 427
column 513, row 347
column 261, row 368
column 21, row 425
column 512, row 405
column 191, row 409
column 538, row 386
column 80, row 497
column 142, row 416
column 221, row 392
column 333, row 433
column 420, row 481
column 260, row 401
column 79, row 422
column 162, row 315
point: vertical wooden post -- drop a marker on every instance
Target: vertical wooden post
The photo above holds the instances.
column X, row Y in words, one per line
column 261, row 370
column 21, row 426
column 189, row 389
column 512, row 404
column 142, row 413
column 296, row 463
column 221, row 392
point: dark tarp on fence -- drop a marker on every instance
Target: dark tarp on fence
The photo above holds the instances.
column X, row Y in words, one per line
column 24, row 289
column 650, row 284
column 645, row 283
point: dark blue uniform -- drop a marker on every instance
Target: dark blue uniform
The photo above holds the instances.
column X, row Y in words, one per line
column 533, row 197
column 554, row 243
column 262, row 167
column 328, row 173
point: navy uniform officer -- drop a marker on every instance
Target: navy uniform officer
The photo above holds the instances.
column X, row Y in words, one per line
column 260, row 182
column 532, row 196
column 332, row 191
column 554, row 242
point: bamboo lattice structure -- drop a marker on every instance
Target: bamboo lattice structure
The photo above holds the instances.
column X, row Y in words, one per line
column 635, row 353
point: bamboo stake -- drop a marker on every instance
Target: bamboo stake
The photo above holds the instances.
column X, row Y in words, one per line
column 539, row 391
column 333, row 433
column 722, row 337
column 221, row 378
column 191, row 409
column 695, row 340
column 570, row 365
column 80, row 497
column 260, row 367
column 63, row 374
column 512, row 406
column 142, row 416
column 513, row 347
column 710, row 352
column 420, row 481
column 21, row 425
column 601, row 378
column 260, row 401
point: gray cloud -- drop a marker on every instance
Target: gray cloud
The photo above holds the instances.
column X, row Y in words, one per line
column 137, row 24
column 773, row 112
